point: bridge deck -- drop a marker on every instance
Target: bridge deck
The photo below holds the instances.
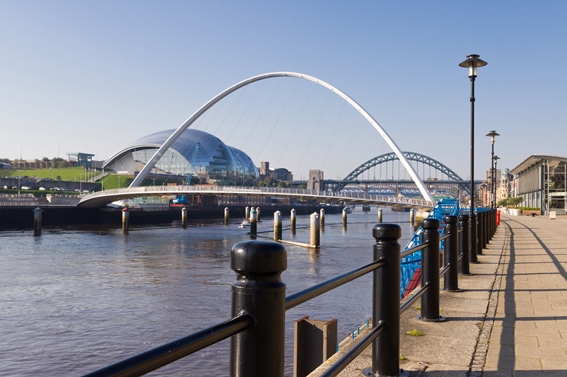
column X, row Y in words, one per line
column 520, row 286
column 102, row 198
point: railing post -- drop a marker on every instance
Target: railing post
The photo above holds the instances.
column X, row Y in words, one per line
column 259, row 291
column 472, row 239
column 464, row 266
column 430, row 271
column 386, row 298
column 480, row 235
column 452, row 254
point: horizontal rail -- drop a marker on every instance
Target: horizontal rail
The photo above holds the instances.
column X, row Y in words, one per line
column 414, row 298
column 444, row 270
column 167, row 353
column 305, row 295
column 348, row 357
column 414, row 249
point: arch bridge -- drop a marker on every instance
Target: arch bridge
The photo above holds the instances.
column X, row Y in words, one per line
column 410, row 156
column 101, row 198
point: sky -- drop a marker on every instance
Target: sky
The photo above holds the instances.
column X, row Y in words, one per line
column 93, row 76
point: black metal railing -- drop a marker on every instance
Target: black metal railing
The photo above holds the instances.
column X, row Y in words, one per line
column 259, row 303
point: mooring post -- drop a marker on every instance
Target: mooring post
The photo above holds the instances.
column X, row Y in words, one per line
column 37, row 221
column 379, row 215
column 259, row 292
column 322, row 217
column 345, row 215
column 315, row 235
column 247, row 213
column 258, row 214
column 411, row 216
column 430, row 271
column 125, row 220
column 277, row 226
column 386, row 295
column 464, row 265
column 184, row 217
column 226, row 215
column 451, row 282
column 292, row 221
column 253, row 223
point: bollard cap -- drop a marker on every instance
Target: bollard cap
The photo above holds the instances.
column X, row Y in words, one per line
column 430, row 223
column 389, row 231
column 449, row 219
column 258, row 258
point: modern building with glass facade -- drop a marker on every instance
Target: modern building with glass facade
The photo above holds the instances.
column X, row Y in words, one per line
column 197, row 155
column 541, row 180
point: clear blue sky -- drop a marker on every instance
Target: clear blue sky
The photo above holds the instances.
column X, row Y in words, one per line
column 93, row 76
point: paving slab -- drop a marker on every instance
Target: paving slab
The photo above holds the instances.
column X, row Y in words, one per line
column 510, row 319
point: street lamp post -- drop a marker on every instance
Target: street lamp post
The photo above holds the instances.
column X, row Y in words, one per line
column 495, row 159
column 492, row 135
column 473, row 62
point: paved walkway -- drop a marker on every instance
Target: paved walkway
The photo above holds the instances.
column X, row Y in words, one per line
column 511, row 319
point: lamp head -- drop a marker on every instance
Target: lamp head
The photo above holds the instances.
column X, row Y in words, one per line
column 472, row 63
column 492, row 135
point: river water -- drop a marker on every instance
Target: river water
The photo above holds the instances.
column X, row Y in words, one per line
column 75, row 300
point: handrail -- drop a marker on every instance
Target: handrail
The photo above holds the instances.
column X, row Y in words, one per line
column 259, row 264
column 167, row 353
column 326, row 286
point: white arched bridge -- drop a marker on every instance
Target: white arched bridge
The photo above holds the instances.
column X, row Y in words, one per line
column 137, row 189
column 101, row 198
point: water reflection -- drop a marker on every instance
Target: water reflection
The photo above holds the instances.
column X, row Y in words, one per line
column 75, row 300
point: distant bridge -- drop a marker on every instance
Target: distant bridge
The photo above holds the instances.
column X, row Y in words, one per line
column 101, row 198
column 452, row 177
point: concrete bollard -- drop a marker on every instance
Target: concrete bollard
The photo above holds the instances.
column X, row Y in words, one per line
column 315, row 235
column 226, row 215
column 322, row 218
column 292, row 221
column 125, row 220
column 253, row 223
column 184, row 217
column 379, row 215
column 247, row 213
column 277, row 226
column 345, row 216
column 259, row 293
column 37, row 221
column 258, row 214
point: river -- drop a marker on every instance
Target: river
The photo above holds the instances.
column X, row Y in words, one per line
column 75, row 300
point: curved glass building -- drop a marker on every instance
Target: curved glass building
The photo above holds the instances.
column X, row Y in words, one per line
column 196, row 154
